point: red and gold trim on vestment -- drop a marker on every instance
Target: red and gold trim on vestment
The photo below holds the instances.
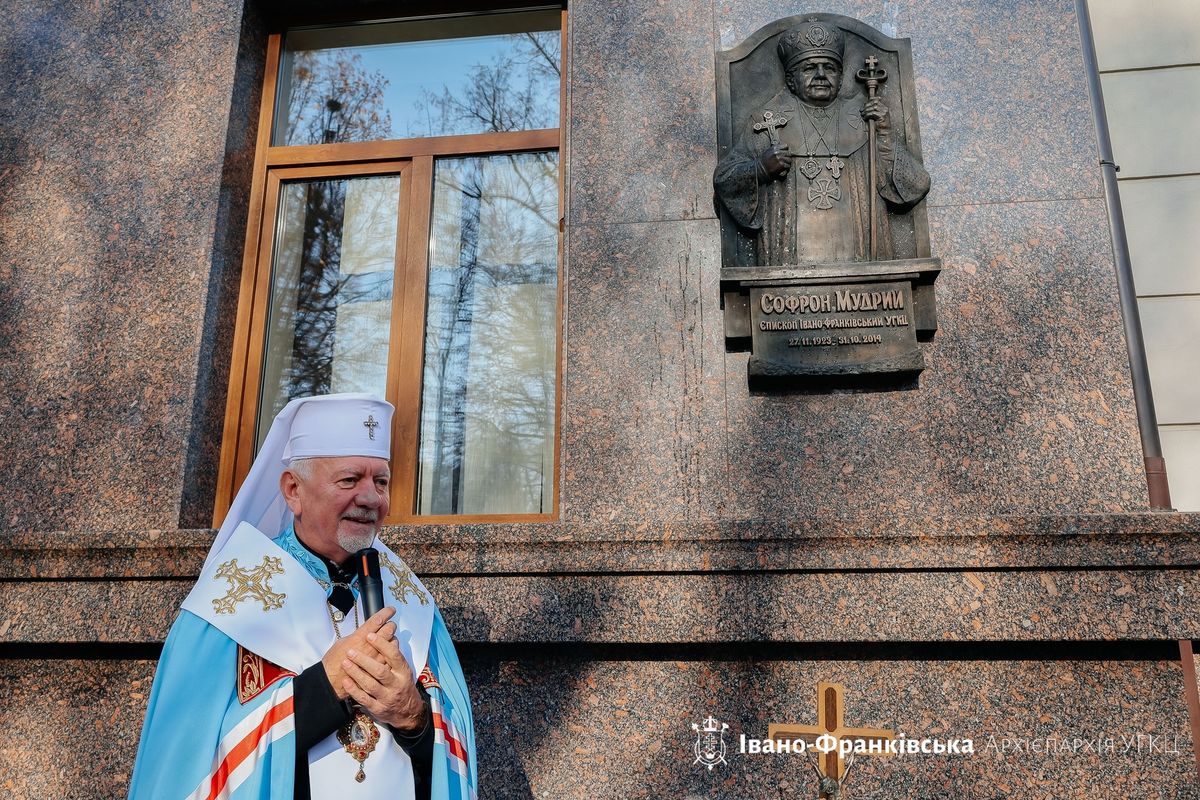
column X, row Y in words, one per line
column 255, row 674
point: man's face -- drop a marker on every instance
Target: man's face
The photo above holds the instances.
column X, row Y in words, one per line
column 339, row 503
column 817, row 79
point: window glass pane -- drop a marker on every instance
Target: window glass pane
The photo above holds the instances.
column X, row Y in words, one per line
column 487, row 411
column 331, row 291
column 396, row 80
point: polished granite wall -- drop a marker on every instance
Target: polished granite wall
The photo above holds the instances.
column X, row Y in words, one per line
column 720, row 550
column 125, row 146
column 121, row 218
column 588, row 660
column 1026, row 402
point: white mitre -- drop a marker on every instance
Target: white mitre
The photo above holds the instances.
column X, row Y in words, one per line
column 325, row 426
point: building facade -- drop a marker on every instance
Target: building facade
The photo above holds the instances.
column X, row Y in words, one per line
column 974, row 557
column 1147, row 60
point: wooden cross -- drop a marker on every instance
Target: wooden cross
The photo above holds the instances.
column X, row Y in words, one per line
column 371, row 424
column 830, row 722
column 769, row 123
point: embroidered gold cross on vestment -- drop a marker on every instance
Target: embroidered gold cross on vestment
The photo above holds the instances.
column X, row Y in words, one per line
column 404, row 583
column 249, row 584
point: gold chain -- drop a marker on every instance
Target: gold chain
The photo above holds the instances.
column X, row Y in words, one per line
column 337, row 632
column 359, row 736
column 326, row 585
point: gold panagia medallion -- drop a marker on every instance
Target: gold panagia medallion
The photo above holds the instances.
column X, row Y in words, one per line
column 359, row 737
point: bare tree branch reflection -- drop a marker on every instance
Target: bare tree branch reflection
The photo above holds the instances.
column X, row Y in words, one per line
column 489, row 384
column 332, row 98
column 320, row 305
column 516, row 91
column 320, row 302
column 489, row 387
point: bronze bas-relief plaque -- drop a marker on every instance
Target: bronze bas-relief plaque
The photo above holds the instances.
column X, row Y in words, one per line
column 836, row 329
column 820, row 182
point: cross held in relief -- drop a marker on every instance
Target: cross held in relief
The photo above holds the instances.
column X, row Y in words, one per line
column 769, row 123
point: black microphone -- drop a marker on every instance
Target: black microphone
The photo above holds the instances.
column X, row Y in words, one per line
column 370, row 584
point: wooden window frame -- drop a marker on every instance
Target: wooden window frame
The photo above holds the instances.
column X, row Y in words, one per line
column 413, row 159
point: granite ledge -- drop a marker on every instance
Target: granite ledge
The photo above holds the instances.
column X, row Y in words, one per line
column 1144, row 540
column 968, row 606
column 1148, row 539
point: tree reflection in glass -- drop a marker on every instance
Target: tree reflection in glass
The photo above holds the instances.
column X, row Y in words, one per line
column 331, row 98
column 331, row 297
column 436, row 77
column 487, row 413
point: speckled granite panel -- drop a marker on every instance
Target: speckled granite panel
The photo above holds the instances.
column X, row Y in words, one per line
column 1003, row 105
column 213, row 359
column 106, row 612
column 768, row 607
column 69, row 730
column 817, row 607
column 642, row 119
column 113, row 130
column 642, row 432
column 621, row 730
column 1025, row 402
column 568, row 728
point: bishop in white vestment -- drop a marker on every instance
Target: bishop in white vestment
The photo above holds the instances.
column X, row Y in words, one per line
column 271, row 685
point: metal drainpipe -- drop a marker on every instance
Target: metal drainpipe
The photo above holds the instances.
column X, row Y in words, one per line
column 1156, row 469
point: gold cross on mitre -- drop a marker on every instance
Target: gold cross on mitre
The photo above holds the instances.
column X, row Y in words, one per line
column 830, row 708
